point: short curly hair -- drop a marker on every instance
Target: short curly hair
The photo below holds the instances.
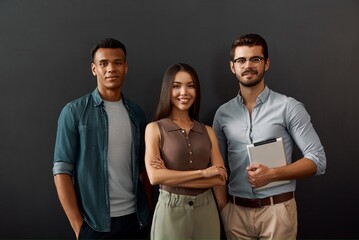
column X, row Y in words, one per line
column 249, row 40
column 108, row 43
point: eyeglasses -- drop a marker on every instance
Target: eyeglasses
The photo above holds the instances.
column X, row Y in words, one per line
column 253, row 60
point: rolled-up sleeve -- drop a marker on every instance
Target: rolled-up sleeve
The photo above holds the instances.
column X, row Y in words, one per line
column 66, row 145
column 306, row 138
column 63, row 168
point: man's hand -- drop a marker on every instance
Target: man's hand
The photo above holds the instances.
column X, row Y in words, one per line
column 259, row 175
column 77, row 228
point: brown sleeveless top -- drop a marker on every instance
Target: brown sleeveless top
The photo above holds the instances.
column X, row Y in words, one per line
column 184, row 152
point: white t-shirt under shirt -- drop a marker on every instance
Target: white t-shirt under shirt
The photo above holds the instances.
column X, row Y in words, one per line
column 119, row 159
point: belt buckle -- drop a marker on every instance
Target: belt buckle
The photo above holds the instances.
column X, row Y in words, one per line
column 255, row 203
column 260, row 205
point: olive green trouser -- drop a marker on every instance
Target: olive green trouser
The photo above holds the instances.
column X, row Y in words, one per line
column 185, row 217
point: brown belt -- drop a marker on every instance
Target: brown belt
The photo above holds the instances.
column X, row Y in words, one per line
column 258, row 203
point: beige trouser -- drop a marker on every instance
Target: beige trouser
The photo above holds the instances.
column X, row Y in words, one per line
column 185, row 217
column 277, row 222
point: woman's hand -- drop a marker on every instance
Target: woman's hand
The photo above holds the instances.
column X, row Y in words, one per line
column 214, row 171
column 158, row 163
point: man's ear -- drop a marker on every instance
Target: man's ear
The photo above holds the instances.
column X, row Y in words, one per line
column 126, row 68
column 231, row 66
column 267, row 64
column 93, row 69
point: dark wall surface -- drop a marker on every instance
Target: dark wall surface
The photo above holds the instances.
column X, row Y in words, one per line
column 45, row 63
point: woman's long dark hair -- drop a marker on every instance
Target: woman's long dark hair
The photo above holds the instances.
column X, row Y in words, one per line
column 164, row 106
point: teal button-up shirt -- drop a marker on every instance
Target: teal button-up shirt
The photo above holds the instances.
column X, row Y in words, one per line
column 81, row 151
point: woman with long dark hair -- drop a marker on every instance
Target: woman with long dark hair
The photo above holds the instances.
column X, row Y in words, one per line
column 182, row 156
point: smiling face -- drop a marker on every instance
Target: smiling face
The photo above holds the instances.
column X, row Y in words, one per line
column 249, row 74
column 183, row 92
column 110, row 68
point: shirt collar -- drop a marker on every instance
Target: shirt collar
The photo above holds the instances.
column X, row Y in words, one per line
column 99, row 102
column 174, row 127
column 97, row 98
column 262, row 97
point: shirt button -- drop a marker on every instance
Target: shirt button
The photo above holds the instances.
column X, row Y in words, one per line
column 190, row 161
column 183, row 131
column 190, row 203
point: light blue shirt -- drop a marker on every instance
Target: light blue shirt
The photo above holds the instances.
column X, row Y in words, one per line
column 275, row 115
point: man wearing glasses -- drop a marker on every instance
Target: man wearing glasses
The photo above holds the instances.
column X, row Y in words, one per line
column 258, row 114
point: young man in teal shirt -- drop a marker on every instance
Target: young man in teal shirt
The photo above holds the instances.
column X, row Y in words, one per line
column 99, row 155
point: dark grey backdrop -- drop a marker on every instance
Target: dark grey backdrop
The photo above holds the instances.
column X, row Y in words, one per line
column 45, row 62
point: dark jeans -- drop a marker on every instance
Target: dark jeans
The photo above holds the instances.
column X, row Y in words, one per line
column 125, row 227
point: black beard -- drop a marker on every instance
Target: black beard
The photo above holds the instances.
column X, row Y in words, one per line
column 252, row 83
